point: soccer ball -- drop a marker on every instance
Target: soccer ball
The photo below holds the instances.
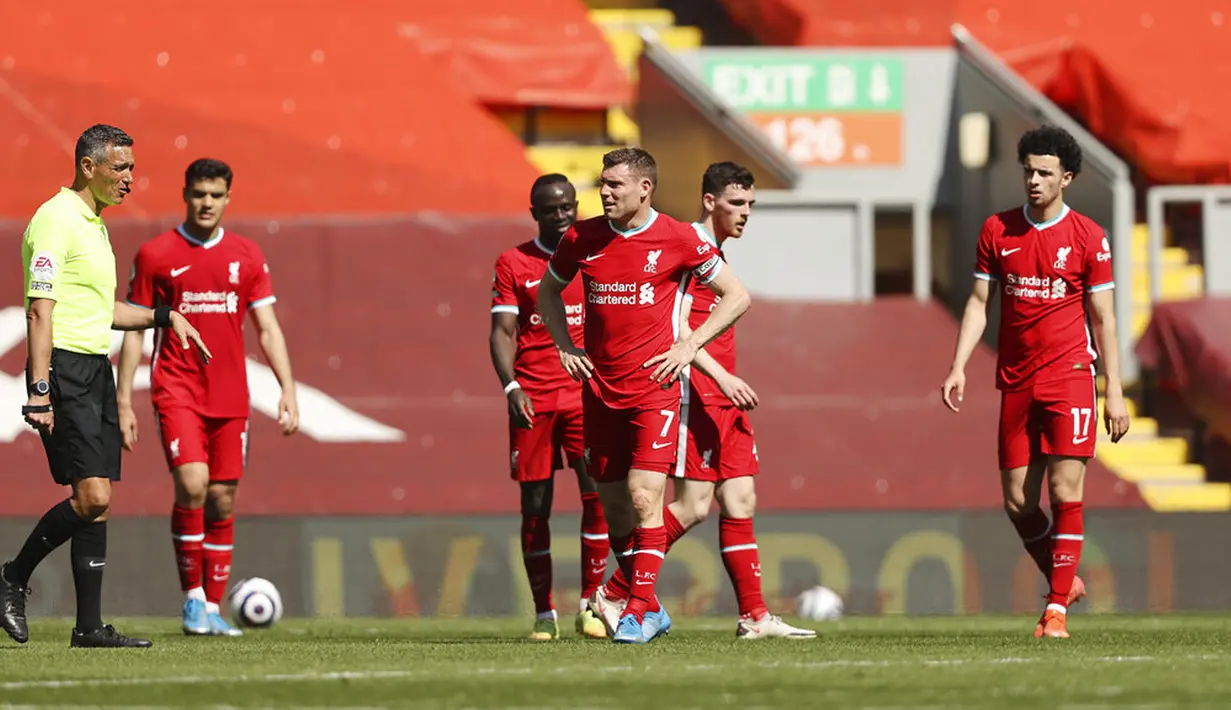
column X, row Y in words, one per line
column 819, row 604
column 255, row 603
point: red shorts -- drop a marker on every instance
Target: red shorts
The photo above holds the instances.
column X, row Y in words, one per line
column 720, row 445
column 619, row 440
column 222, row 444
column 534, row 454
column 1058, row 418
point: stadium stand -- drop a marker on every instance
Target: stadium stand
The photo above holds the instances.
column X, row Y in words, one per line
column 344, row 132
column 1098, row 64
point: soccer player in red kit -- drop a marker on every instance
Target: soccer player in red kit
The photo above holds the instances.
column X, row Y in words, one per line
column 1052, row 268
column 214, row 278
column 635, row 265
column 545, row 407
column 721, row 452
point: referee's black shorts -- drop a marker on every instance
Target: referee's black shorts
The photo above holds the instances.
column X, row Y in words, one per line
column 85, row 441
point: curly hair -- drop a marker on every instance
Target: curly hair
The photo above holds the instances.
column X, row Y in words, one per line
column 1051, row 140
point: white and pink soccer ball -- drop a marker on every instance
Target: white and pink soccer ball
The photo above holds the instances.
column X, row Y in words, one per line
column 255, row 603
column 819, row 604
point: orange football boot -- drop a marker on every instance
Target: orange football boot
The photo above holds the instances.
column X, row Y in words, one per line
column 1052, row 625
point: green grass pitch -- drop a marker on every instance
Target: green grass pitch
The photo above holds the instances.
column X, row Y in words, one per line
column 883, row 662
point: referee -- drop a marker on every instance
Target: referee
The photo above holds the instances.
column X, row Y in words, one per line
column 70, row 283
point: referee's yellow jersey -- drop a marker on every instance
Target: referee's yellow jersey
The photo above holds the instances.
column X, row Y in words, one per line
column 66, row 255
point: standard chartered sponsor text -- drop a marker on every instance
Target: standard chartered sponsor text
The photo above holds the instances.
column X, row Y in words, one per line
column 613, row 294
column 1032, row 287
column 208, row 302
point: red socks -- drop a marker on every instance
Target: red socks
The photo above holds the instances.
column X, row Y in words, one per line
column 739, row 554
column 1034, row 530
column 187, row 535
column 219, row 543
column 650, row 550
column 1066, row 552
column 617, row 587
column 594, row 544
column 536, row 555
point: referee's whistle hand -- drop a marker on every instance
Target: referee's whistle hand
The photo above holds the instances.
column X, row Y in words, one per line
column 188, row 336
column 41, row 421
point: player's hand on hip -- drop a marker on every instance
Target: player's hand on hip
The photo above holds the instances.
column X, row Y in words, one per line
column 953, row 389
column 672, row 362
column 41, row 421
column 288, row 413
column 128, row 427
column 1115, row 416
column 521, row 409
column 188, row 336
column 576, row 363
column 740, row 394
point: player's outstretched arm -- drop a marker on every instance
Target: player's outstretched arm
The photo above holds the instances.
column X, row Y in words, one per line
column 734, row 300
column 551, row 308
column 129, row 317
column 126, row 371
column 735, row 389
column 1103, row 316
column 273, row 345
column 974, row 322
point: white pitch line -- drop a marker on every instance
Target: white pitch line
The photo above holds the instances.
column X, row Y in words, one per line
column 524, row 670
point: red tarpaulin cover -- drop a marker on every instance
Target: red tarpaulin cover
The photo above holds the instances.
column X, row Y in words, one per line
column 325, row 111
column 1188, row 344
column 1145, row 76
column 545, row 52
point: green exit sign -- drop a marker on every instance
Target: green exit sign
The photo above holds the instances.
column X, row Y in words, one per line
column 793, row 83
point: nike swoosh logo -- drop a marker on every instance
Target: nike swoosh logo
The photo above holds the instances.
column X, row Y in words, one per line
column 182, row 269
column 532, row 284
column 96, row 563
column 592, row 257
column 657, row 445
column 1082, row 440
column 1006, row 252
column 598, row 570
column 639, row 584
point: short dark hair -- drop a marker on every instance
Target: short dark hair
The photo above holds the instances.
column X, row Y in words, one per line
column 208, row 169
column 718, row 175
column 547, row 180
column 1051, row 140
column 96, row 139
column 639, row 162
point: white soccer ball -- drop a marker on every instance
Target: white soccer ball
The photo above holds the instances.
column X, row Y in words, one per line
column 819, row 604
column 255, row 603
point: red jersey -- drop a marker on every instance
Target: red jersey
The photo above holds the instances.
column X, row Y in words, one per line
column 515, row 289
column 704, row 389
column 634, row 282
column 213, row 284
column 1044, row 273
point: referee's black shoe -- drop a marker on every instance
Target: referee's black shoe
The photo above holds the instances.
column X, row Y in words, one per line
column 106, row 637
column 13, row 606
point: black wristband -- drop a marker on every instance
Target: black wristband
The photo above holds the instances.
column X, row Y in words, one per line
column 162, row 317
column 35, row 408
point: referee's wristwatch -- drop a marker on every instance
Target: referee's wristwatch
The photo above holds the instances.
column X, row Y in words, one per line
column 39, row 388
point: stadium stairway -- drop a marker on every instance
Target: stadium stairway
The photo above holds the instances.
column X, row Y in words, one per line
column 1160, row 465
column 621, row 23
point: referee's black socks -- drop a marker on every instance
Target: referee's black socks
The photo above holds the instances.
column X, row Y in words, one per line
column 53, row 529
column 89, row 559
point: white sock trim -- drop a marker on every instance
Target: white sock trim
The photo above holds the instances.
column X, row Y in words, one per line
column 1058, row 608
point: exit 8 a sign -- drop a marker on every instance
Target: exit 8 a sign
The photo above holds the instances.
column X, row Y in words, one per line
column 818, row 110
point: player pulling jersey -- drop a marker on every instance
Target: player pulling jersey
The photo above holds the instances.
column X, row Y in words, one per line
column 1046, row 354
column 633, row 283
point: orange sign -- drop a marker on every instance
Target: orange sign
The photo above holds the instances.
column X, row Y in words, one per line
column 821, row 138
